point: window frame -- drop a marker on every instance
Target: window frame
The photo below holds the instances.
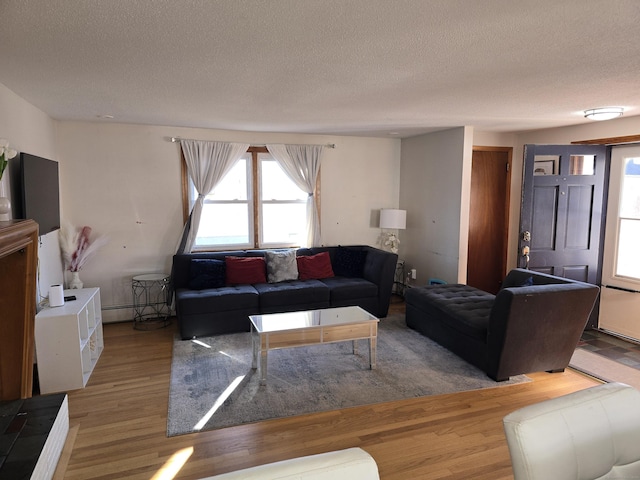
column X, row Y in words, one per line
column 614, row 218
column 255, row 151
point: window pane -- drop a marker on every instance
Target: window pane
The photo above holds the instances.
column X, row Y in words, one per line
column 628, row 258
column 582, row 165
column 276, row 185
column 224, row 224
column 284, row 223
column 234, row 184
column 546, row 164
column 630, row 192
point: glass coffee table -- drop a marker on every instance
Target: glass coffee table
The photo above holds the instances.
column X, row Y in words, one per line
column 311, row 327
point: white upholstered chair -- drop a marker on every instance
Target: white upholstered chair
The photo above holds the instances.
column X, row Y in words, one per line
column 349, row 464
column 589, row 434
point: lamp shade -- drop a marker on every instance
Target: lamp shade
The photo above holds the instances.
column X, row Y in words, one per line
column 391, row 218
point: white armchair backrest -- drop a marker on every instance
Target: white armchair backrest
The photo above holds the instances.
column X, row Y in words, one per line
column 348, row 464
column 586, row 435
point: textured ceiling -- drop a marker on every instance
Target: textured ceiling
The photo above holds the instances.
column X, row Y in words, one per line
column 355, row 67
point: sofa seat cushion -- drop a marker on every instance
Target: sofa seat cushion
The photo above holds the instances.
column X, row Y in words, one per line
column 345, row 288
column 237, row 297
column 463, row 308
column 304, row 293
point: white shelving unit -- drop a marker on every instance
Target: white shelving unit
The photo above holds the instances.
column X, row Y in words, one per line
column 69, row 341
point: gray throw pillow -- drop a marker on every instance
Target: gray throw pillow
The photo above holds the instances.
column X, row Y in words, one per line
column 281, row 266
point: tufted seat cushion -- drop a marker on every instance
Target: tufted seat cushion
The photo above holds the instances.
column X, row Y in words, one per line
column 468, row 306
column 345, row 288
column 217, row 299
column 292, row 295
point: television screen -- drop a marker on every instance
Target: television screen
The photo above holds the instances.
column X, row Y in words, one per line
column 40, row 195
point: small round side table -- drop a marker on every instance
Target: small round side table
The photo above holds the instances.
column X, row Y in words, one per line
column 150, row 301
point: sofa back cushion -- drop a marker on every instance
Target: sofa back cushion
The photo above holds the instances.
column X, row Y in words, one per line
column 349, row 262
column 314, row 267
column 245, row 270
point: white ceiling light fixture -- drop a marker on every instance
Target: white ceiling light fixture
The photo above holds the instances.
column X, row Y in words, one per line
column 604, row 113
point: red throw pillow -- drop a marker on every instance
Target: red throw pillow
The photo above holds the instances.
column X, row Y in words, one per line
column 245, row 270
column 314, row 266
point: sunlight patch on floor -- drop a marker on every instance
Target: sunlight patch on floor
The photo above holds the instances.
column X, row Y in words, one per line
column 172, row 466
column 218, row 403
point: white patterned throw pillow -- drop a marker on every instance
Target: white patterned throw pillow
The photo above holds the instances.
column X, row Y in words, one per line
column 281, row 266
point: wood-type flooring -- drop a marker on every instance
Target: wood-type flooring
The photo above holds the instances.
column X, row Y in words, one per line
column 118, row 424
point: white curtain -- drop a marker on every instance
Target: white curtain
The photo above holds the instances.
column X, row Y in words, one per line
column 207, row 163
column 302, row 164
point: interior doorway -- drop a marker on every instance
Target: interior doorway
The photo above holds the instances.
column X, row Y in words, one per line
column 489, row 217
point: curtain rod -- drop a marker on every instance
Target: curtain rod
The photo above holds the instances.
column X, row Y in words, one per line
column 177, row 140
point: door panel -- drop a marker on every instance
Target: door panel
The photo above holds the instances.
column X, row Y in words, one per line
column 563, row 205
column 579, row 203
column 488, row 217
column 545, row 208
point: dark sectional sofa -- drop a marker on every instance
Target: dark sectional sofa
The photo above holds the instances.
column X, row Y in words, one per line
column 361, row 275
column 533, row 324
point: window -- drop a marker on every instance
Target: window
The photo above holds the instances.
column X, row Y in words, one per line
column 255, row 205
column 628, row 260
column 622, row 262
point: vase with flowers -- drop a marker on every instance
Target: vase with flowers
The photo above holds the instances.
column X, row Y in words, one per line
column 6, row 154
column 77, row 247
column 391, row 241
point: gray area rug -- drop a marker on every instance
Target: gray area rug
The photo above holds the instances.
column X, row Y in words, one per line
column 213, row 385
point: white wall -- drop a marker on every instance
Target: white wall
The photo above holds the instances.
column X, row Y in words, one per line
column 124, row 182
column 30, row 130
column 434, row 189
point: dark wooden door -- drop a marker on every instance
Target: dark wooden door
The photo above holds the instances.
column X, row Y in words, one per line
column 488, row 217
column 563, row 211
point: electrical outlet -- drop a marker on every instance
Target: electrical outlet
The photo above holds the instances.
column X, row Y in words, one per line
column 414, row 274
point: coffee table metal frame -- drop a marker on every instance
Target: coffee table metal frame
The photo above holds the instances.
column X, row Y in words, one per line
column 311, row 327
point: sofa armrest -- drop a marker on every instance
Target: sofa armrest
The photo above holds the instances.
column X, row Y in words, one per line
column 352, row 463
column 536, row 328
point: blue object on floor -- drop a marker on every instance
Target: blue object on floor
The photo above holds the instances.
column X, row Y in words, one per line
column 436, row 281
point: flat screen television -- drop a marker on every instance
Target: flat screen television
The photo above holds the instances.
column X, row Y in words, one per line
column 39, row 192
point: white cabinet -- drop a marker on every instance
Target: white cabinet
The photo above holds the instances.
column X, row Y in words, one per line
column 69, row 341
